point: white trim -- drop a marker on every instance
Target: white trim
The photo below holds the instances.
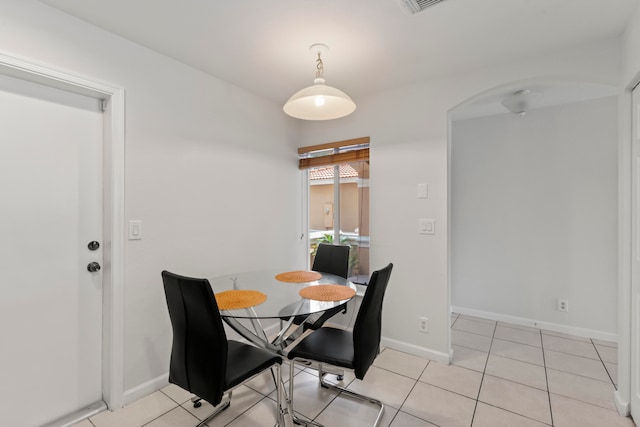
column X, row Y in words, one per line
column 113, row 278
column 425, row 353
column 113, row 338
column 621, row 405
column 146, row 388
column 623, row 393
column 304, row 217
column 549, row 326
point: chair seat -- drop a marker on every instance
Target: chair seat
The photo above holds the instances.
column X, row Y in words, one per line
column 326, row 345
column 245, row 361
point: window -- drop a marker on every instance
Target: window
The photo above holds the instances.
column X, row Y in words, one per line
column 338, row 199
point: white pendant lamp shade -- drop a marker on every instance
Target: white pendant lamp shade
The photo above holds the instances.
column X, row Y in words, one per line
column 319, row 101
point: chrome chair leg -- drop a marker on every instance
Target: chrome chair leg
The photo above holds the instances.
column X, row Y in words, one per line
column 353, row 394
column 221, row 407
column 321, row 372
column 295, row 418
column 280, row 411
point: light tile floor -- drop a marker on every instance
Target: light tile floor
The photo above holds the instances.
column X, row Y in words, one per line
column 502, row 375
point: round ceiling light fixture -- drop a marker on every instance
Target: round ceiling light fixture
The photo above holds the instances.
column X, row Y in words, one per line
column 319, row 101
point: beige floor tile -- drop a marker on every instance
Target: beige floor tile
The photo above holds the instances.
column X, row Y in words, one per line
column 264, row 384
column 518, row 335
column 527, row 401
column 348, row 412
column 348, row 375
column 174, row 418
column 581, row 388
column 517, row 351
column 137, row 413
column 390, row 388
column 521, row 327
column 490, row 416
column 511, row 393
column 262, row 414
column 469, row 340
column 309, row 398
column 475, row 327
column 438, row 406
column 403, row 419
column 469, row 358
column 178, row 394
column 567, row 336
column 401, row 363
column 569, row 346
column 453, row 378
column 242, row 399
column 517, row 371
column 576, row 365
column 607, row 354
column 572, row 413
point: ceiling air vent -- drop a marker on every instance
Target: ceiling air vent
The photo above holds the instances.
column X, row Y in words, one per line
column 415, row 6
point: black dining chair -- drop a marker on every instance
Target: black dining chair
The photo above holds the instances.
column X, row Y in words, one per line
column 331, row 259
column 354, row 350
column 203, row 361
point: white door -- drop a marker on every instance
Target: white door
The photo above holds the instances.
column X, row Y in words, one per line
column 635, row 273
column 51, row 208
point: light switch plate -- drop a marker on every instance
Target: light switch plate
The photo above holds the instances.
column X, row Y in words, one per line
column 423, row 191
column 135, row 230
column 426, row 226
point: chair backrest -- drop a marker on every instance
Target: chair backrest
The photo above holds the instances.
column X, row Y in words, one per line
column 332, row 259
column 368, row 326
column 199, row 349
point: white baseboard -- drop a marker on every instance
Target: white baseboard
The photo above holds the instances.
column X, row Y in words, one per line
column 621, row 405
column 415, row 350
column 555, row 327
column 145, row 389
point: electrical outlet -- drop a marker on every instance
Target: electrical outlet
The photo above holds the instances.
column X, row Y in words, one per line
column 423, row 324
column 563, row 305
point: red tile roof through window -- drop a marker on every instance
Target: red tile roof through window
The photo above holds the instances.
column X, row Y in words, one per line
column 346, row 171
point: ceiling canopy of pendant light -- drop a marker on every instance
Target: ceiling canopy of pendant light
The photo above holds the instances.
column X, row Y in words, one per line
column 520, row 102
column 319, row 101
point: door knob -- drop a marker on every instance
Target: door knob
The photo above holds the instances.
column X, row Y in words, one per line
column 93, row 267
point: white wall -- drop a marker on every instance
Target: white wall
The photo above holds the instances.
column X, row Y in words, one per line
column 186, row 130
column 409, row 142
column 534, row 215
column 630, row 77
column 202, row 156
column 631, row 50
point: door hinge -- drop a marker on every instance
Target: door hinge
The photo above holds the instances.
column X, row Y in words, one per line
column 103, row 105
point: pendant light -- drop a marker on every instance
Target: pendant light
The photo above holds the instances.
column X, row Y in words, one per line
column 319, row 101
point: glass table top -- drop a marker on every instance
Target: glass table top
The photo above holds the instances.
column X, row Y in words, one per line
column 283, row 298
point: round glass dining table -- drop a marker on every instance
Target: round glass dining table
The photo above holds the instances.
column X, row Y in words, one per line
column 283, row 301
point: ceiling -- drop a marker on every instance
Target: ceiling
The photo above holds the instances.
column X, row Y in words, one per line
column 374, row 45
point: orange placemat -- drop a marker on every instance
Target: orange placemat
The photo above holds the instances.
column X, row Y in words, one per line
column 298, row 276
column 233, row 300
column 327, row 292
